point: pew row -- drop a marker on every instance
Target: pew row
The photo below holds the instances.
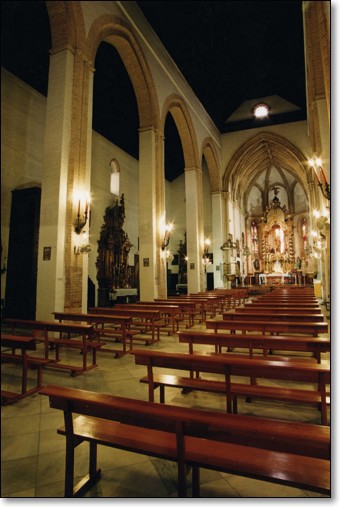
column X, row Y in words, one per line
column 24, row 344
column 264, row 343
column 292, row 454
column 79, row 336
column 278, row 315
column 119, row 328
column 142, row 321
column 267, row 326
column 317, row 375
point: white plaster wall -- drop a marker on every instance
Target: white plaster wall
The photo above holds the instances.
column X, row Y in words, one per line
column 23, row 112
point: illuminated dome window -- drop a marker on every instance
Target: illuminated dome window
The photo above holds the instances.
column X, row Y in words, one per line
column 260, row 110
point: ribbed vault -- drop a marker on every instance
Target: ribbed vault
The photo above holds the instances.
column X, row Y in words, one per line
column 259, row 154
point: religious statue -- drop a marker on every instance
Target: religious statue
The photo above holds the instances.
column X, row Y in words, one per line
column 113, row 249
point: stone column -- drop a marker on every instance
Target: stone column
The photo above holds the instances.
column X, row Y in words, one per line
column 51, row 269
column 151, row 216
column 194, row 227
column 217, row 234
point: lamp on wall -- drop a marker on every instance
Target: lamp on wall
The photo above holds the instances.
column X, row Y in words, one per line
column 321, row 177
column 319, row 236
column 167, row 234
column 80, row 221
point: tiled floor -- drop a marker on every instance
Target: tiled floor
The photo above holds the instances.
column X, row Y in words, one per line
column 33, row 454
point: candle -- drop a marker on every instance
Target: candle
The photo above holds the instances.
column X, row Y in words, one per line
column 323, row 174
column 79, row 207
column 316, row 174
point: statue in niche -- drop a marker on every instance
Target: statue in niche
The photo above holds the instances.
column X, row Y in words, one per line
column 113, row 249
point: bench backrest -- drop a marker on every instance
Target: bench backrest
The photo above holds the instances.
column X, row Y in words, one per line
column 129, row 312
column 268, row 325
column 259, row 368
column 297, row 343
column 18, row 342
column 298, row 438
column 40, row 325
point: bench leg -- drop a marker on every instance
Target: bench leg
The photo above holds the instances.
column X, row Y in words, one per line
column 182, row 482
column 195, row 481
column 89, row 480
column 69, row 468
column 161, row 394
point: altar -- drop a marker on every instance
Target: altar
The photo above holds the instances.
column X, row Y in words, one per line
column 275, row 277
column 123, row 295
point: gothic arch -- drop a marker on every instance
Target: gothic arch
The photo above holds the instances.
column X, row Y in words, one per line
column 113, row 30
column 261, row 152
column 179, row 111
column 210, row 154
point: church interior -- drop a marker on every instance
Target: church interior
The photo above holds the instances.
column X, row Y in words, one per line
column 139, row 213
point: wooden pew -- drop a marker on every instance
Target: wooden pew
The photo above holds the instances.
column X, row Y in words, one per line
column 199, row 306
column 297, row 371
column 168, row 313
column 265, row 343
column 188, row 308
column 143, row 320
column 275, row 308
column 278, row 315
column 298, row 454
column 268, row 326
column 24, row 344
column 42, row 330
column 121, row 328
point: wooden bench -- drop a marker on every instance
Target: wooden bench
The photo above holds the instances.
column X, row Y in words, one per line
column 168, row 313
column 292, row 454
column 24, row 344
column 120, row 330
column 238, row 314
column 267, row 326
column 188, row 309
column 265, row 343
column 296, row 371
column 42, row 332
column 256, row 308
column 143, row 320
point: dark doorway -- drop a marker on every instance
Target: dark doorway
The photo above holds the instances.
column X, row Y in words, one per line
column 210, row 281
column 22, row 267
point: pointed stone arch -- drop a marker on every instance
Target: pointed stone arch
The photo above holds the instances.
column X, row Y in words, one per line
column 258, row 153
column 176, row 106
column 210, row 154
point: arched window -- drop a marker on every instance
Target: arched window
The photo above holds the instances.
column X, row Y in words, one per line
column 114, row 180
column 254, row 238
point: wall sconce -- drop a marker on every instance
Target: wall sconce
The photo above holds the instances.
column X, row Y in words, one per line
column 207, row 244
column 83, row 246
column 167, row 234
column 80, row 223
column 167, row 256
column 321, row 177
column 206, row 261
